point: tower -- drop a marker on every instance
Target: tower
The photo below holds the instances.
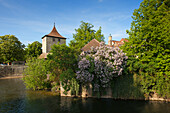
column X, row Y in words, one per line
column 50, row 39
column 110, row 40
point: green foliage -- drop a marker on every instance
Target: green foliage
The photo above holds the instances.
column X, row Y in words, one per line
column 63, row 66
column 11, row 49
column 85, row 34
column 35, row 75
column 69, row 83
column 34, row 49
column 63, row 58
column 127, row 87
column 148, row 48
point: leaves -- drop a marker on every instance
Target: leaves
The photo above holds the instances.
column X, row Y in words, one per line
column 34, row 49
column 35, row 75
column 85, row 34
column 63, row 57
column 11, row 49
column 148, row 48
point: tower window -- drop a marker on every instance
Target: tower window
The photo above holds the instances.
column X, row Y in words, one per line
column 59, row 39
column 53, row 39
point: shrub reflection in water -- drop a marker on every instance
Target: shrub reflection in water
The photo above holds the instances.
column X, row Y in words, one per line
column 15, row 98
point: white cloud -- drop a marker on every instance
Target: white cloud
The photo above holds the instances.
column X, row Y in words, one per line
column 86, row 10
column 100, row 0
column 116, row 35
column 26, row 42
column 28, row 24
column 7, row 5
column 118, row 17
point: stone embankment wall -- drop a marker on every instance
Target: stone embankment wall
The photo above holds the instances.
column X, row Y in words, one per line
column 16, row 70
column 88, row 92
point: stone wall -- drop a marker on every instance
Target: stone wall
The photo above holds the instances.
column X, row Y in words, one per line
column 88, row 92
column 50, row 41
column 10, row 70
column 62, row 41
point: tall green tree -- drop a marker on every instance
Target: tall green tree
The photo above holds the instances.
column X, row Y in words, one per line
column 34, row 49
column 148, row 48
column 63, row 67
column 84, row 34
column 11, row 49
column 62, row 58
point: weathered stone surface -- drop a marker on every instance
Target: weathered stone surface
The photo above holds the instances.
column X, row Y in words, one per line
column 88, row 92
column 16, row 70
column 62, row 91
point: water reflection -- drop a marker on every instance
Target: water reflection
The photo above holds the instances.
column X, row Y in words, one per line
column 15, row 99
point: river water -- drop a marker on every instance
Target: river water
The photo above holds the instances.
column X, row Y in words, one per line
column 14, row 98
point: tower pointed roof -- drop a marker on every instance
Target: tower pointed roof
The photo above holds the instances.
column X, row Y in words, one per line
column 54, row 33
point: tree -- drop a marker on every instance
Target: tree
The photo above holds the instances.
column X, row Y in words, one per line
column 11, row 49
column 63, row 66
column 34, row 49
column 63, row 58
column 148, row 48
column 85, row 34
column 100, row 65
column 35, row 75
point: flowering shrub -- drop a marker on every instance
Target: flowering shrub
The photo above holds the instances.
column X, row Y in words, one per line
column 99, row 65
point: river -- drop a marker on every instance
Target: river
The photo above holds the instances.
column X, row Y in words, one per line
column 15, row 98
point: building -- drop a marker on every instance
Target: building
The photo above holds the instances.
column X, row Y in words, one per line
column 88, row 46
column 111, row 43
column 50, row 39
column 114, row 43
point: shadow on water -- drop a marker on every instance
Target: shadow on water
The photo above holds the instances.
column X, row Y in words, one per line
column 15, row 99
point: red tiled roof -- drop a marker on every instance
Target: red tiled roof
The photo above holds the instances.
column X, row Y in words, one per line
column 54, row 33
column 123, row 39
column 93, row 43
column 119, row 43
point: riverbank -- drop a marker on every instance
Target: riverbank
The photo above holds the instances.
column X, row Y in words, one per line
column 15, row 98
column 10, row 77
column 153, row 98
column 12, row 70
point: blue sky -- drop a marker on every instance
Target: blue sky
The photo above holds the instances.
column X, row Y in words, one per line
column 29, row 20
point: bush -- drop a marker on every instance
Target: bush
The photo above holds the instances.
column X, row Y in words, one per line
column 69, row 82
column 35, row 75
column 99, row 65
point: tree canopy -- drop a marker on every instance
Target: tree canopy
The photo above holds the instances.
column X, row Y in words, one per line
column 11, row 49
column 63, row 57
column 148, row 48
column 84, row 34
column 34, row 49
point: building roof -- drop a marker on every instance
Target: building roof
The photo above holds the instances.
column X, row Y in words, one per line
column 119, row 43
column 93, row 43
column 124, row 39
column 43, row 55
column 54, row 33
